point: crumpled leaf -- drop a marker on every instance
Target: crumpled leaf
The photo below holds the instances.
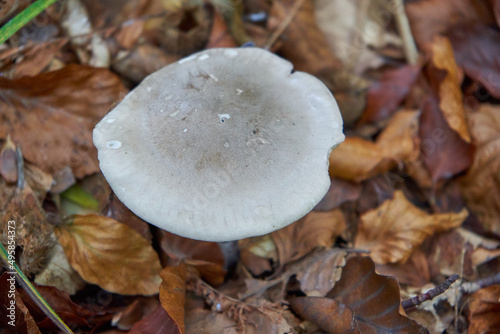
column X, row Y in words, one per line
column 477, row 52
column 394, row 229
column 173, row 293
column 110, row 254
column 450, row 93
column 481, row 185
column 330, row 315
column 358, row 159
column 157, row 321
column 316, row 229
column 71, row 100
column 484, row 308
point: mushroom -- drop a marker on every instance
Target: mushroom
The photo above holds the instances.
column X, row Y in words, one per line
column 225, row 144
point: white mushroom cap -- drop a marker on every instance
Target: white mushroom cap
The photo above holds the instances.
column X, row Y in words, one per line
column 222, row 145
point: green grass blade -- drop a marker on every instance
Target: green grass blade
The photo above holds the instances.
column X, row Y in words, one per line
column 33, row 293
column 11, row 27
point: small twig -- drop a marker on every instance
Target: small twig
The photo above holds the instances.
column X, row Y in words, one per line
column 472, row 287
column 284, row 24
column 403, row 25
column 431, row 294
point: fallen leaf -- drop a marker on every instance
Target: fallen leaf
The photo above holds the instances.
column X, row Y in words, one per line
column 444, row 152
column 8, row 161
column 71, row 100
column 448, row 89
column 316, row 229
column 358, row 159
column 340, row 191
column 206, row 256
column 156, row 322
column 110, row 254
column 59, row 273
column 219, row 35
column 173, row 293
column 429, row 18
column 330, row 315
column 414, row 272
column 134, row 312
column 394, row 229
column 374, row 299
column 386, row 94
column 319, row 276
column 481, row 185
column 478, row 53
column 484, row 307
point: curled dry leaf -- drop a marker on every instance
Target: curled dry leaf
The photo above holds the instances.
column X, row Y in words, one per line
column 357, row 159
column 448, row 89
column 51, row 115
column 394, row 229
column 110, row 254
column 173, row 293
column 316, row 229
column 481, row 184
column 484, row 308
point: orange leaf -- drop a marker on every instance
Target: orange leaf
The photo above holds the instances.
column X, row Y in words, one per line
column 481, row 185
column 484, row 308
column 316, row 229
column 394, row 229
column 110, row 254
column 173, row 293
column 450, row 93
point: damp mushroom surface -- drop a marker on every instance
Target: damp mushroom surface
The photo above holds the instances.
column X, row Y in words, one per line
column 222, row 145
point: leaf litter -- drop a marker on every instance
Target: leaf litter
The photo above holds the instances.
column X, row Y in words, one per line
column 414, row 186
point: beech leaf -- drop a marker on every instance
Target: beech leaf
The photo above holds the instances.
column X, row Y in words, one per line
column 110, row 254
column 394, row 229
column 173, row 293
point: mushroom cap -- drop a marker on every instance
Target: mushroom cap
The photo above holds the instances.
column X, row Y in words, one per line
column 222, row 145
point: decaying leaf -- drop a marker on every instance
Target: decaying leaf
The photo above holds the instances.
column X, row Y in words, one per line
column 484, row 308
column 316, row 229
column 110, row 254
column 71, row 100
column 173, row 293
column 481, row 185
column 451, row 99
column 394, row 229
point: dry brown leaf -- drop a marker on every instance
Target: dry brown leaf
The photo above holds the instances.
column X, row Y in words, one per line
column 110, row 254
column 394, row 229
column 156, row 322
column 173, row 293
column 205, row 256
column 357, row 159
column 481, row 185
column 319, row 276
column 330, row 315
column 51, row 115
column 450, row 93
column 484, row 308
column 316, row 229
column 374, row 299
